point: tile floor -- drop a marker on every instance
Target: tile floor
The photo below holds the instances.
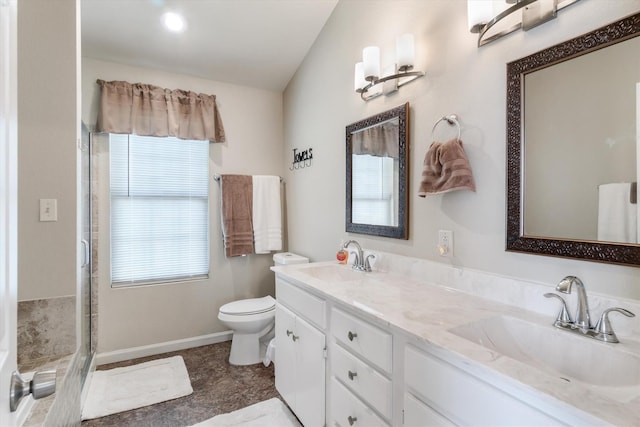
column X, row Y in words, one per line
column 218, row 387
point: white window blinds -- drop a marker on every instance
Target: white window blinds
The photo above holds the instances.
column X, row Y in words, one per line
column 159, row 209
column 372, row 192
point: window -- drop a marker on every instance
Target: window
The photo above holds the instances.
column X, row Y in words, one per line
column 372, row 196
column 159, row 209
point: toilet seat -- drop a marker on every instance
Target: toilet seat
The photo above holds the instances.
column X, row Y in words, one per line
column 247, row 307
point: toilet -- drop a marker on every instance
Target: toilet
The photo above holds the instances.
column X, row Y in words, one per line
column 252, row 319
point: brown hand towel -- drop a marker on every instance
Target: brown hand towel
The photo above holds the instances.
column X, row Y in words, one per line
column 446, row 168
column 237, row 208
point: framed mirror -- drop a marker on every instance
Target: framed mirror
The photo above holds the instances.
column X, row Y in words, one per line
column 573, row 120
column 377, row 158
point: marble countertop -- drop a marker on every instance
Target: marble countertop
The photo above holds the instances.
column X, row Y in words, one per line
column 428, row 312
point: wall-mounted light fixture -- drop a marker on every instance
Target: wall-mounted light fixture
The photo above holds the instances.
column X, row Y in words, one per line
column 367, row 73
column 493, row 19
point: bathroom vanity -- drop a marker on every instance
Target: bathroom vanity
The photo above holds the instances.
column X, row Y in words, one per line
column 395, row 348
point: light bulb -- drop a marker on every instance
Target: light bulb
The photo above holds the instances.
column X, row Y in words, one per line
column 479, row 12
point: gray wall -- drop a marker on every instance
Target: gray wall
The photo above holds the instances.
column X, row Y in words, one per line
column 48, row 112
column 48, row 132
column 319, row 102
column 47, row 139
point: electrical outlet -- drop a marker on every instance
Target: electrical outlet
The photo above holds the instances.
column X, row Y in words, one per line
column 445, row 243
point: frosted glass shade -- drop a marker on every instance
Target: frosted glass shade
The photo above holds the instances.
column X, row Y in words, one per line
column 358, row 81
column 371, row 62
column 405, row 52
column 479, row 12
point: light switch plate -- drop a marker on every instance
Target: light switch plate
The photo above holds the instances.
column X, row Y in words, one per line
column 48, row 210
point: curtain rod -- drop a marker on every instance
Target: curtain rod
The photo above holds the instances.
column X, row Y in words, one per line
column 217, row 177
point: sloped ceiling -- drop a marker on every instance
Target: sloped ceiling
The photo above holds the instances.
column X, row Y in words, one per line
column 257, row 43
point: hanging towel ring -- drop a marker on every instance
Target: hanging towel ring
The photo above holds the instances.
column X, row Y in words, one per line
column 452, row 119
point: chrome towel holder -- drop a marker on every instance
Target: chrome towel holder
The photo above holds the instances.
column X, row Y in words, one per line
column 451, row 119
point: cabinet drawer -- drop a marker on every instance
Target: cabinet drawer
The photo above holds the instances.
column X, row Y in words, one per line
column 309, row 306
column 417, row 414
column 463, row 398
column 348, row 411
column 373, row 387
column 364, row 339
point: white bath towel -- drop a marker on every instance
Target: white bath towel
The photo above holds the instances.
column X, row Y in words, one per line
column 267, row 214
column 617, row 216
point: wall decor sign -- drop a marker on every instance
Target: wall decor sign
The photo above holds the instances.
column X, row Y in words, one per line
column 301, row 158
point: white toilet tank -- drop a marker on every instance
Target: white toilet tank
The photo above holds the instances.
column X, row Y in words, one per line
column 288, row 258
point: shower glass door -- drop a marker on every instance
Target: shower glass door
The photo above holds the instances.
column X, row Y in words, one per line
column 85, row 349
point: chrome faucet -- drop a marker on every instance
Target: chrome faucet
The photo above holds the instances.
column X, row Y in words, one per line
column 361, row 263
column 582, row 323
column 582, row 318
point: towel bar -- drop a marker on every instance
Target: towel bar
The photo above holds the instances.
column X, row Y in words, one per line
column 217, row 177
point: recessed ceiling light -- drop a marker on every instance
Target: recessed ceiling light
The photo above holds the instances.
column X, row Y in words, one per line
column 173, row 22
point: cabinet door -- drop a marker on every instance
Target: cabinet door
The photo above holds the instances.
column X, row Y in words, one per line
column 417, row 414
column 310, row 373
column 285, row 361
column 465, row 399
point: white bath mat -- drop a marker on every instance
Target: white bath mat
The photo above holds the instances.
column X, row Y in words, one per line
column 122, row 389
column 270, row 413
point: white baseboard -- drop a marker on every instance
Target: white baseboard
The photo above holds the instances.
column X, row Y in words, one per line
column 164, row 347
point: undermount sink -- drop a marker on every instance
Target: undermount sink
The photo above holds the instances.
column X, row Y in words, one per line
column 335, row 273
column 570, row 357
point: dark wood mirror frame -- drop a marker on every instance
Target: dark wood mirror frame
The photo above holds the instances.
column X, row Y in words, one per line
column 401, row 231
column 628, row 254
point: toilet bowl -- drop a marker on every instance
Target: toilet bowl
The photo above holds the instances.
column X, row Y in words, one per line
column 249, row 319
column 253, row 318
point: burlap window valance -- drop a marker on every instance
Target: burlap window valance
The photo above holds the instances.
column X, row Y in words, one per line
column 380, row 141
column 147, row 110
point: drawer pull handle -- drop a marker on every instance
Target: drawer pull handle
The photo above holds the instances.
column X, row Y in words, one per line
column 352, row 375
column 295, row 337
column 352, row 335
column 352, row 420
column 289, row 332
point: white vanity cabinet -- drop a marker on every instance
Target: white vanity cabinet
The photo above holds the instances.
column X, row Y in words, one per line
column 343, row 363
column 361, row 372
column 440, row 394
column 300, row 352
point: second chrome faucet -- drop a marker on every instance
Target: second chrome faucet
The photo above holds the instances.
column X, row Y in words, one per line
column 582, row 323
column 583, row 318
